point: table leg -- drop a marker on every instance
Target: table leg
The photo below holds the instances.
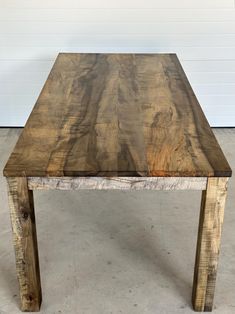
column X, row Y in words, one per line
column 25, row 243
column 208, row 243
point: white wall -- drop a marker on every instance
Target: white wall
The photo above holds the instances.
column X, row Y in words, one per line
column 201, row 32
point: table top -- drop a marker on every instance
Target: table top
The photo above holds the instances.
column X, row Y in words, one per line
column 117, row 115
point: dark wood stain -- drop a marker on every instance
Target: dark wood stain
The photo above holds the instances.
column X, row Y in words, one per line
column 117, row 115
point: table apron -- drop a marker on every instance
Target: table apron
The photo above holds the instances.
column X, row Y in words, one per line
column 117, row 183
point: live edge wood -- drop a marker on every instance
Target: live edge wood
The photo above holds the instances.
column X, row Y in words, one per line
column 25, row 243
column 117, row 115
column 208, row 245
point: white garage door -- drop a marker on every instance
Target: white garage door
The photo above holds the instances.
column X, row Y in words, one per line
column 201, row 32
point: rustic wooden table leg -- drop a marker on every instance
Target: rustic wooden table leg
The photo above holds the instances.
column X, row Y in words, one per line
column 25, row 243
column 208, row 245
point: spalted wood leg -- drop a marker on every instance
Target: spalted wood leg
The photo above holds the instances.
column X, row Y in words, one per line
column 208, row 243
column 25, row 243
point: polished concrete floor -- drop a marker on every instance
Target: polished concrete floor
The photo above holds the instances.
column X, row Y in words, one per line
column 116, row 252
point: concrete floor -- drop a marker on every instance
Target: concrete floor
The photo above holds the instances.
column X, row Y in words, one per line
column 117, row 252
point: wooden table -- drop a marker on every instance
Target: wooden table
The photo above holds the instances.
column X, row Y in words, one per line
column 117, row 121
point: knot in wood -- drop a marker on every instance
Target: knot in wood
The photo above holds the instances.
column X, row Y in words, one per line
column 30, row 297
column 25, row 215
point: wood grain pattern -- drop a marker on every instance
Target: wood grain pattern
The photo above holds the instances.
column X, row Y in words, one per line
column 25, row 243
column 117, row 115
column 208, row 245
column 116, row 183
